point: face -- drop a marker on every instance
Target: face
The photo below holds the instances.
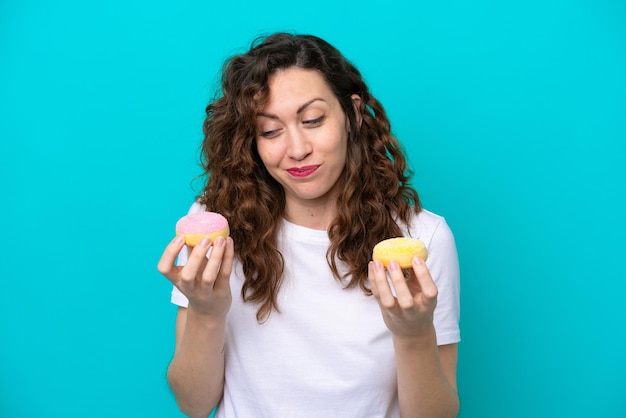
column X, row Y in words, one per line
column 302, row 137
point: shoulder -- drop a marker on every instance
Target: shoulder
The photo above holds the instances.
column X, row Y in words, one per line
column 428, row 227
column 196, row 207
column 433, row 230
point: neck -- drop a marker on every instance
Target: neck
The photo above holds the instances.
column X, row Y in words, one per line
column 310, row 215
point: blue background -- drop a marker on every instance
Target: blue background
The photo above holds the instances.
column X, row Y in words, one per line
column 513, row 114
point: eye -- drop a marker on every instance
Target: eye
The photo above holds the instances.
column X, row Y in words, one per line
column 314, row 122
column 269, row 134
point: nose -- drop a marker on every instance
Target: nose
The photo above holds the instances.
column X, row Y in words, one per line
column 298, row 145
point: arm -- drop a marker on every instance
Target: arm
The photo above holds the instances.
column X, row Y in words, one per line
column 427, row 379
column 196, row 373
column 426, row 372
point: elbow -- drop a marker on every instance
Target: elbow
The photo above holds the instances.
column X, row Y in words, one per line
column 455, row 406
column 191, row 404
column 449, row 409
column 457, row 410
column 192, row 411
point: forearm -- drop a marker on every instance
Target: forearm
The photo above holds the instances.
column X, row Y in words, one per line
column 424, row 391
column 196, row 373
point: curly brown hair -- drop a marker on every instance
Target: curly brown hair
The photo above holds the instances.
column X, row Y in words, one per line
column 375, row 194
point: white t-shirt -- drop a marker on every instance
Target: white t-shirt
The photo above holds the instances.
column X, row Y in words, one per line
column 328, row 352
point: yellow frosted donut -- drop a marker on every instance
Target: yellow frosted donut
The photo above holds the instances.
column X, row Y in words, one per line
column 195, row 226
column 400, row 250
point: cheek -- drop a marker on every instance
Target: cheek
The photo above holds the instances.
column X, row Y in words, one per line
column 339, row 145
column 331, row 137
column 269, row 154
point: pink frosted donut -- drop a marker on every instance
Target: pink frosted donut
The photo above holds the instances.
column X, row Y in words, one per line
column 196, row 226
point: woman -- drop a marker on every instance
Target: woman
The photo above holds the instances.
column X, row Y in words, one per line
column 288, row 316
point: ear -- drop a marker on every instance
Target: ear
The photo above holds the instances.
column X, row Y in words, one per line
column 356, row 102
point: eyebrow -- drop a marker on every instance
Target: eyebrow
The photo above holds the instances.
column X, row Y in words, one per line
column 298, row 111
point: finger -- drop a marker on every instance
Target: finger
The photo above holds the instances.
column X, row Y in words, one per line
column 380, row 286
column 221, row 285
column 167, row 263
column 425, row 280
column 412, row 283
column 195, row 262
column 223, row 279
column 371, row 277
column 210, row 271
column 403, row 294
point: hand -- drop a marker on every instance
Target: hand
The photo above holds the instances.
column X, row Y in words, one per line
column 204, row 281
column 410, row 314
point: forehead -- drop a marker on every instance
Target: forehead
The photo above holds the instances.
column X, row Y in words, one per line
column 297, row 85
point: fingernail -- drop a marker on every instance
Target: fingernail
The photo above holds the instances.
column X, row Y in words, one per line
column 378, row 265
column 179, row 240
column 417, row 261
column 393, row 266
column 219, row 242
column 205, row 242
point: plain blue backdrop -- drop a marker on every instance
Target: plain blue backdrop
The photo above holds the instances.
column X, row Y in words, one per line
column 513, row 114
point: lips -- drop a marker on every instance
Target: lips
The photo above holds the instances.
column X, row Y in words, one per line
column 301, row 172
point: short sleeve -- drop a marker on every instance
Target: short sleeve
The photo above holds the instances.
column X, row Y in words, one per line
column 443, row 264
